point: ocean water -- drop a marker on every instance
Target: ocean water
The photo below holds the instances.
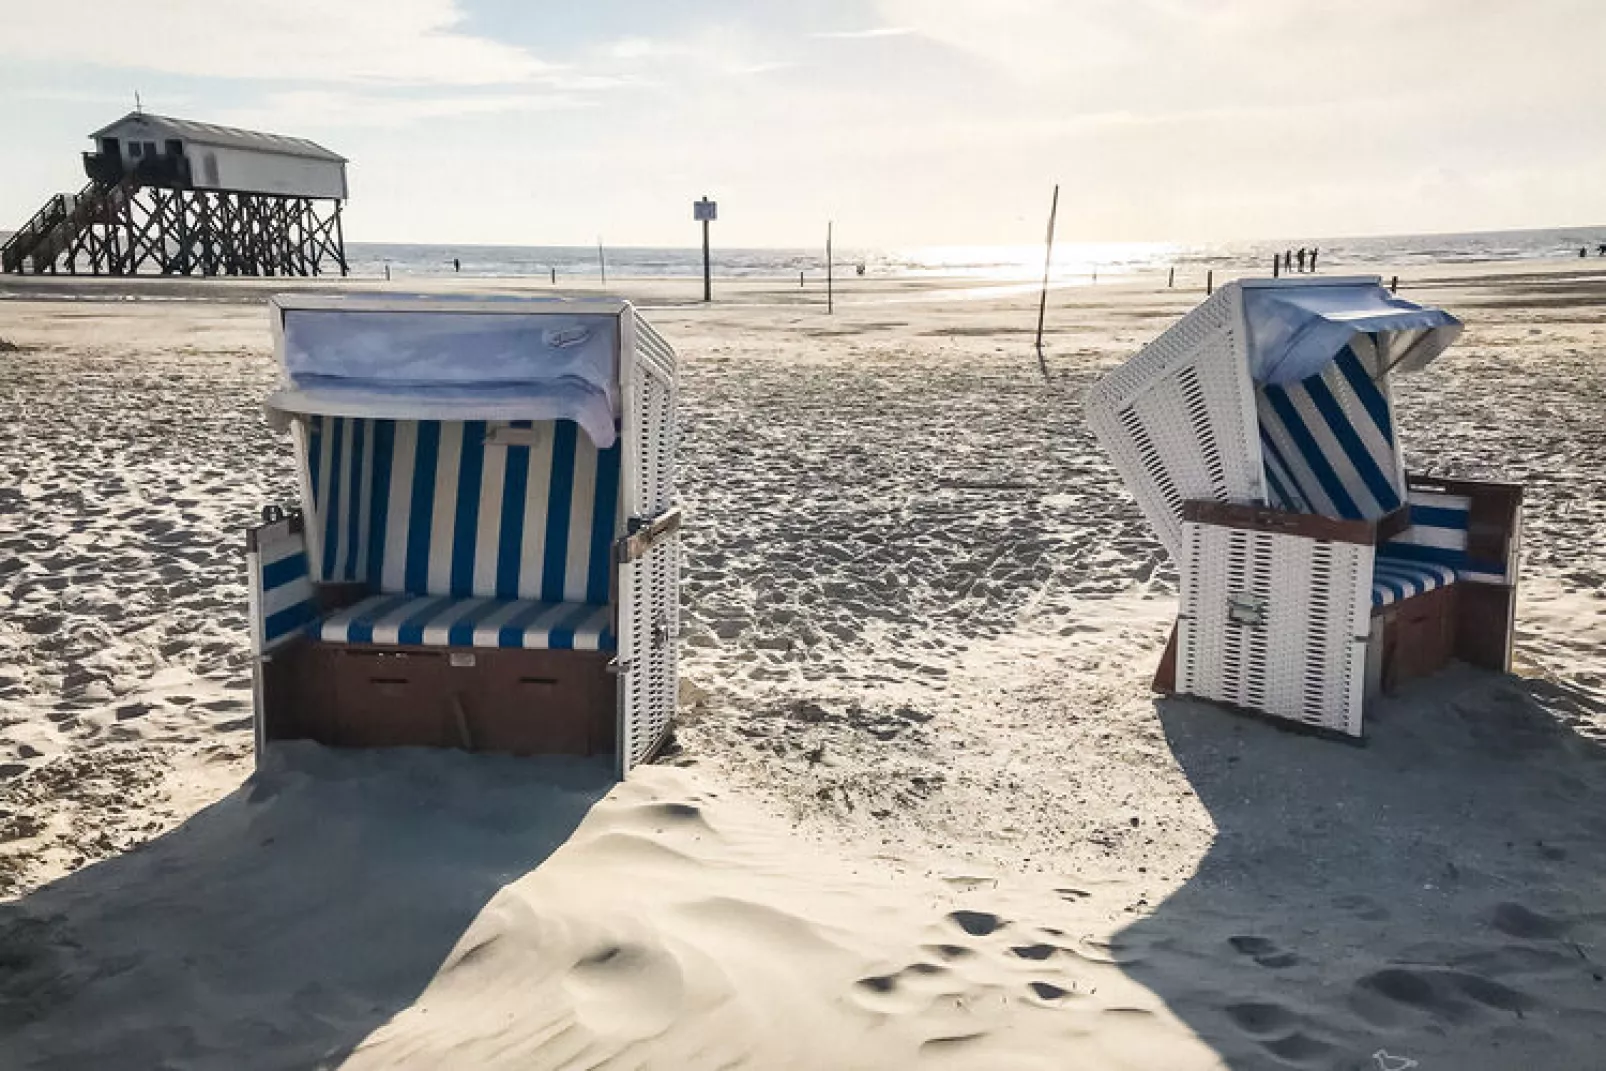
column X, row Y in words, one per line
column 1072, row 260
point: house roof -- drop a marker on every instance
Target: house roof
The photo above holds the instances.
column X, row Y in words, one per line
column 224, row 136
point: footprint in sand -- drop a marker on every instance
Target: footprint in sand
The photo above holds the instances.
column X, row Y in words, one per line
column 1515, row 920
column 1385, row 998
column 1263, row 951
column 977, row 923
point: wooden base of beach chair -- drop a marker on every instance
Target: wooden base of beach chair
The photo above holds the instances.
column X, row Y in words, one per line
column 521, row 702
column 1485, row 624
column 1416, row 636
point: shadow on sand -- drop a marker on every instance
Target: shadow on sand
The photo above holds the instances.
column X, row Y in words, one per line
column 289, row 919
column 1436, row 896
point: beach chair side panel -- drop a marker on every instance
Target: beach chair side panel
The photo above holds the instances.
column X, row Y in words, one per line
column 649, row 555
column 1276, row 621
column 282, row 603
column 1179, row 419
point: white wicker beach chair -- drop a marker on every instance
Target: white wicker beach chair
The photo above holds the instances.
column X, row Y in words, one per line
column 1258, row 437
column 485, row 555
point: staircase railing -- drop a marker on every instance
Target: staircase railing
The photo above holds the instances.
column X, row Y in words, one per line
column 20, row 245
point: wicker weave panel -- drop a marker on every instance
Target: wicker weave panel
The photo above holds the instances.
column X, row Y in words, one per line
column 1275, row 623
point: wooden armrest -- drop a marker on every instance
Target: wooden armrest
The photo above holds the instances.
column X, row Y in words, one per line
column 1281, row 522
column 640, row 541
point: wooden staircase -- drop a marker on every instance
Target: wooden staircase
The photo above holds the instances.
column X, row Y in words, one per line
column 41, row 241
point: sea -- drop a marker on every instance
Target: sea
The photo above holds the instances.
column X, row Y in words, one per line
column 1013, row 263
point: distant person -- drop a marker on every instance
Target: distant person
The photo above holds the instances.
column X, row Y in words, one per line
column 1301, row 258
column 1313, row 251
column 1583, row 250
column 1600, row 250
column 859, row 268
column 1288, row 260
column 457, row 265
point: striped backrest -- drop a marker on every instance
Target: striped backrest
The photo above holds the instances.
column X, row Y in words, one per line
column 1439, row 534
column 432, row 508
column 283, row 601
column 1329, row 446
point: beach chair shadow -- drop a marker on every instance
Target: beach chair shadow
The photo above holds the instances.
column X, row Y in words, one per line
column 286, row 922
column 1432, row 895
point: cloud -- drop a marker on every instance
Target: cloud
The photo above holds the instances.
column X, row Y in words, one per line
column 298, row 109
column 405, row 42
column 860, row 35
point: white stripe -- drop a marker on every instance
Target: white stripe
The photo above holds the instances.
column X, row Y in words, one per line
column 582, row 502
column 538, row 633
column 1365, row 427
column 336, row 626
column 349, row 473
column 485, row 632
column 388, row 628
column 588, row 635
column 320, row 509
column 285, row 596
column 435, row 633
column 282, row 547
column 532, row 555
column 1424, row 535
column 404, row 458
column 488, row 532
column 365, row 509
column 1440, row 500
column 443, row 518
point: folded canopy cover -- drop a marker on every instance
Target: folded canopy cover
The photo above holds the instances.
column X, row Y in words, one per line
column 1296, row 330
column 456, row 359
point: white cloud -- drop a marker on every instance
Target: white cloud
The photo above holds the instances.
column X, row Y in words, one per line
column 324, row 109
column 412, row 42
column 861, row 35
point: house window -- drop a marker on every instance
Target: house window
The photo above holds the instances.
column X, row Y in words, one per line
column 150, row 148
column 134, row 148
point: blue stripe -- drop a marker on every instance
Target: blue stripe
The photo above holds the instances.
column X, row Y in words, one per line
column 361, row 629
column 331, row 508
column 558, row 507
column 1349, row 441
column 1311, row 453
column 281, row 572
column 421, row 510
column 379, row 495
column 1439, row 517
column 512, row 631
column 465, row 524
column 314, row 452
column 411, row 629
column 1349, row 365
column 355, row 494
column 461, row 632
column 1420, row 553
column 289, row 619
column 606, row 642
column 514, row 488
column 561, row 638
column 604, row 512
column 1388, row 585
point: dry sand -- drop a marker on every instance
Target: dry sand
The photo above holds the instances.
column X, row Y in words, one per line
column 923, row 813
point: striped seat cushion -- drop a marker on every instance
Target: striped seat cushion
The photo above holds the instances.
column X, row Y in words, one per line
column 1395, row 579
column 1328, row 443
column 1438, row 535
column 462, row 508
column 441, row 621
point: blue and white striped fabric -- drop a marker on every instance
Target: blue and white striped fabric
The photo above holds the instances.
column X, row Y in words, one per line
column 1438, row 535
column 1328, row 443
column 431, row 508
column 445, row 621
column 1395, row 579
column 288, row 601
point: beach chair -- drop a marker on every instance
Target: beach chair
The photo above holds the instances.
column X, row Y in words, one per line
column 485, row 551
column 1259, row 439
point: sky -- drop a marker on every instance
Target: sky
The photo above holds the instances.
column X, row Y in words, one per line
column 907, row 122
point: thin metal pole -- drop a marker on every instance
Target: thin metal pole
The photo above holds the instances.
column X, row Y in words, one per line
column 602, row 262
column 708, row 278
column 1048, row 259
column 830, row 297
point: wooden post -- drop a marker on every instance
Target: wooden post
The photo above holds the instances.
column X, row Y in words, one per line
column 1394, row 284
column 1210, row 282
column 830, row 295
column 1276, row 267
column 554, row 272
column 1171, row 277
column 1048, row 259
column 602, row 262
column 800, row 280
column 387, row 271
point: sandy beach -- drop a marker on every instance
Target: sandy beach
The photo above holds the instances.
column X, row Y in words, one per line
column 922, row 810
